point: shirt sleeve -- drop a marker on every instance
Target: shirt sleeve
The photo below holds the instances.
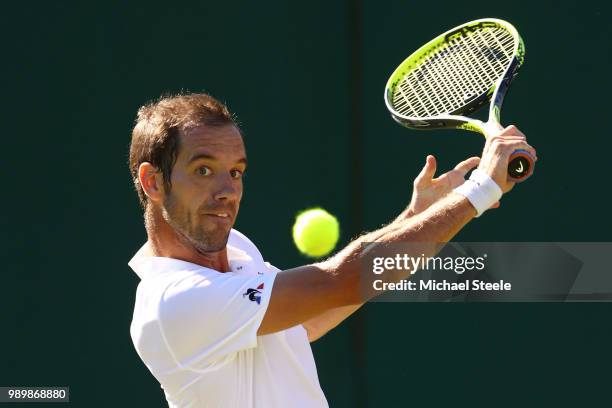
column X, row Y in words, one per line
column 206, row 318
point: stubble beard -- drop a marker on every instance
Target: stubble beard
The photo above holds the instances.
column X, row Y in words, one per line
column 194, row 234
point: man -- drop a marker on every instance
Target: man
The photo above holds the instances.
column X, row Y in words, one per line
column 215, row 324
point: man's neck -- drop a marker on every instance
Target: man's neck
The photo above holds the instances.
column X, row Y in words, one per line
column 165, row 242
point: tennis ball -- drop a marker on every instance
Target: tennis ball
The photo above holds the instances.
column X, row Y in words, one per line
column 315, row 232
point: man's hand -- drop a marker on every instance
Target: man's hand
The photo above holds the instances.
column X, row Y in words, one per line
column 427, row 189
column 500, row 144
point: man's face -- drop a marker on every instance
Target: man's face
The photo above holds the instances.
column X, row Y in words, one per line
column 206, row 186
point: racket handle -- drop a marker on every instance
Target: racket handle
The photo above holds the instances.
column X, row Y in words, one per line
column 520, row 166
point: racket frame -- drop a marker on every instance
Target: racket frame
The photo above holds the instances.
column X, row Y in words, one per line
column 457, row 119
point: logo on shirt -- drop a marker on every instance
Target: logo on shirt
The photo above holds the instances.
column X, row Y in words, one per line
column 254, row 294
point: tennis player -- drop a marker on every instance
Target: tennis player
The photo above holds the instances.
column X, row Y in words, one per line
column 214, row 323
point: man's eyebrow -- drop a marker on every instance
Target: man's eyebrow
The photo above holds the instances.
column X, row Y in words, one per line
column 200, row 156
column 206, row 156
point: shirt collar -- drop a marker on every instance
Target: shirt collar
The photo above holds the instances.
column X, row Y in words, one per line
column 147, row 266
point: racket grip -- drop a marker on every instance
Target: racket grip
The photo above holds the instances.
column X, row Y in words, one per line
column 520, row 166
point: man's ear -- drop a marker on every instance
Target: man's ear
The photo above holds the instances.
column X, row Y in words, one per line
column 151, row 181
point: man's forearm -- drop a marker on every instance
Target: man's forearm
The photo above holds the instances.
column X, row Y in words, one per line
column 438, row 224
column 308, row 291
column 318, row 326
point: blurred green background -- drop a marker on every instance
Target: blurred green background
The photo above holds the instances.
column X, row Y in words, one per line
column 306, row 81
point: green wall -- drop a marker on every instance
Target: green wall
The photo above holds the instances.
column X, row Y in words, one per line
column 306, row 80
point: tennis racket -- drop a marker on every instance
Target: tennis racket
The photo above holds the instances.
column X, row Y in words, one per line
column 454, row 75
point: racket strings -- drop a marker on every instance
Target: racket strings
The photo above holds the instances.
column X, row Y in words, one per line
column 455, row 73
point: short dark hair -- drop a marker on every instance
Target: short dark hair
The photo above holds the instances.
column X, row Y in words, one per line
column 155, row 137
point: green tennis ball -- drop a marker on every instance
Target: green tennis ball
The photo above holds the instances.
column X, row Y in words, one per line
column 316, row 232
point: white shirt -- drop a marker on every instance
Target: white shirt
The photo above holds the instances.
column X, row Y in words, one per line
column 196, row 331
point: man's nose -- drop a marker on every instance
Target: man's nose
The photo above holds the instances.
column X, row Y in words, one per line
column 226, row 189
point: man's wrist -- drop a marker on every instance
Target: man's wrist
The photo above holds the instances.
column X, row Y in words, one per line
column 481, row 191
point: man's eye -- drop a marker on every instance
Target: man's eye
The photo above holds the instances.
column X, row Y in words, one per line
column 236, row 174
column 203, row 171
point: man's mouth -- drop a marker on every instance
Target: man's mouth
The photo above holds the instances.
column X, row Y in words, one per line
column 219, row 214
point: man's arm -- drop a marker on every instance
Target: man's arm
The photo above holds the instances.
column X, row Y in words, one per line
column 319, row 325
column 426, row 190
column 302, row 293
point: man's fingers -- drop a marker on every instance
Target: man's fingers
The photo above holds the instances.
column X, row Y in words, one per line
column 509, row 144
column 495, row 205
column 467, row 165
column 508, row 138
column 512, row 131
column 427, row 172
column 496, row 130
column 520, row 145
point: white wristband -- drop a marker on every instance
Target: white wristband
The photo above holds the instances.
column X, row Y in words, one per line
column 480, row 190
